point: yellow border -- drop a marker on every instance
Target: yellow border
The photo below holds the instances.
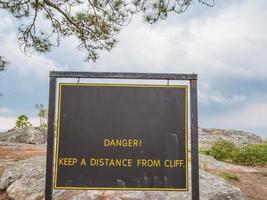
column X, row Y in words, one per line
column 122, row 85
column 186, row 136
column 58, row 130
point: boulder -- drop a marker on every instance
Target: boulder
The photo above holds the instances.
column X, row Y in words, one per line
column 25, row 180
column 29, row 135
column 209, row 163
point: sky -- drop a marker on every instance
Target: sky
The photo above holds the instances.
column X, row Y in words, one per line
column 225, row 45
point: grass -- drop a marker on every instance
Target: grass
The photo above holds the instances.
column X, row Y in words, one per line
column 229, row 176
column 204, row 151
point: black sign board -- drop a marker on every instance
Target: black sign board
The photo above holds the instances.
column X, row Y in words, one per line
column 130, row 137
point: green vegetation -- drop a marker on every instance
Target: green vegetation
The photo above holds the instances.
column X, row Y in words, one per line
column 3, row 63
column 23, row 122
column 251, row 154
column 229, row 176
column 222, row 150
column 203, row 150
column 43, row 114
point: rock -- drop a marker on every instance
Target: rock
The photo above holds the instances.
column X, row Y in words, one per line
column 210, row 163
column 208, row 135
column 25, row 180
column 211, row 188
column 29, row 135
column 215, row 188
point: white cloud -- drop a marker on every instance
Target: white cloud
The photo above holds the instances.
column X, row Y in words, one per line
column 230, row 44
column 250, row 117
column 209, row 95
column 7, row 123
column 220, row 99
column 35, row 66
column 3, row 110
column 6, row 23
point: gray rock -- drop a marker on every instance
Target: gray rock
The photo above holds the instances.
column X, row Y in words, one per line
column 25, row 179
column 211, row 188
column 29, row 135
column 215, row 188
column 208, row 135
column 210, row 163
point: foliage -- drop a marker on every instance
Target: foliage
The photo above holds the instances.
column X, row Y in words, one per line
column 23, row 122
column 160, row 9
column 250, row 154
column 223, row 150
column 93, row 22
column 3, row 63
column 254, row 154
column 229, row 176
column 203, row 150
column 43, row 114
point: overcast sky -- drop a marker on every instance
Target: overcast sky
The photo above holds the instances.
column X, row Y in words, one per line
column 226, row 45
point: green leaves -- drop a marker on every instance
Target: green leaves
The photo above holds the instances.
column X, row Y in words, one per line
column 23, row 122
column 3, row 63
column 43, row 114
column 41, row 44
column 18, row 8
column 159, row 9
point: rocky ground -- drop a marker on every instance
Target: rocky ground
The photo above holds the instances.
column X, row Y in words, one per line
column 22, row 175
column 208, row 135
column 29, row 135
column 24, row 180
column 252, row 180
column 10, row 155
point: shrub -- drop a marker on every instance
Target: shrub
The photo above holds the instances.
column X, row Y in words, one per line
column 205, row 151
column 253, row 154
column 250, row 154
column 222, row 150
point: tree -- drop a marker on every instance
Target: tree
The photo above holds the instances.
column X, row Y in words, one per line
column 93, row 22
column 3, row 63
column 23, row 122
column 43, row 114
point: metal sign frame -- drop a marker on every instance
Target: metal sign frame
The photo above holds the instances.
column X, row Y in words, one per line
column 116, row 75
